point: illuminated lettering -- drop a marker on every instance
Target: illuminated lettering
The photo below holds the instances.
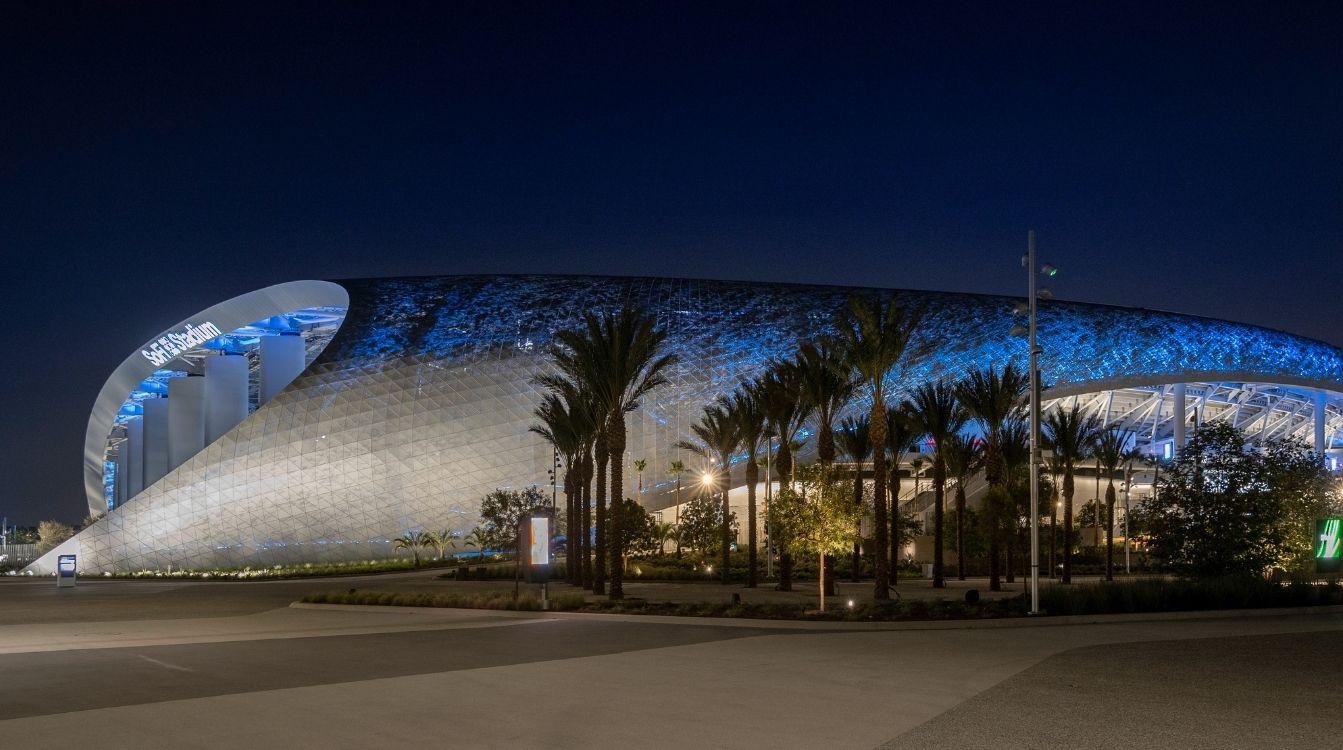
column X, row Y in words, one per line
column 162, row 350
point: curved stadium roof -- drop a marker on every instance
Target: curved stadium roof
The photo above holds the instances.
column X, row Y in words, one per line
column 420, row 403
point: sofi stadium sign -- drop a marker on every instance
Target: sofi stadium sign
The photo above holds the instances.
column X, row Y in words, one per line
column 169, row 345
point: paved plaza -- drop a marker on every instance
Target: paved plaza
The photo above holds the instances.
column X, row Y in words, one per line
column 196, row 664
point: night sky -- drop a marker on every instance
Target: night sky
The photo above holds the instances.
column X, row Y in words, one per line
column 160, row 157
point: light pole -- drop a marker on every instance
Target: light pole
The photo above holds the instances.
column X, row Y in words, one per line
column 1028, row 260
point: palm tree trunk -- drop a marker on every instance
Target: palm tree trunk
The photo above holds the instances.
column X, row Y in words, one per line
column 785, row 471
column 599, row 563
column 585, row 570
column 960, row 529
column 615, row 533
column 939, row 495
column 727, row 527
column 881, row 586
column 1110, row 531
column 1067, row 524
column 752, row 477
column 1053, row 540
column 893, row 501
column 858, row 507
column 570, row 524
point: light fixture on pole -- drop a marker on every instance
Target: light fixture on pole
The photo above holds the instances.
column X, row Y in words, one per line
column 1030, row 330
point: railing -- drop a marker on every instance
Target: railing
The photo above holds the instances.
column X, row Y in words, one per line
column 11, row 554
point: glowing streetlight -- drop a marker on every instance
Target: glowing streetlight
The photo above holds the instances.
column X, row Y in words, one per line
column 707, row 479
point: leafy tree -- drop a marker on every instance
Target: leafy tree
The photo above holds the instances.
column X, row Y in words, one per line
column 52, row 533
column 501, row 510
column 1226, row 507
column 641, row 534
column 702, row 523
column 819, row 521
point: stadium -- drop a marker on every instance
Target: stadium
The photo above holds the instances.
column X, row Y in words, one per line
column 316, row 421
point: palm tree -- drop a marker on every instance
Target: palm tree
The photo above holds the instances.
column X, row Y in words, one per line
column 1016, row 461
column 744, row 406
column 563, row 425
column 855, row 442
column 827, row 385
column 1055, row 465
column 779, row 393
column 1110, row 452
column 964, row 457
column 900, row 439
column 874, row 333
column 993, row 398
column 618, row 359
column 480, row 539
column 936, row 413
column 718, row 435
column 413, row 541
column 677, row 468
column 664, row 532
column 639, row 465
column 442, row 540
column 1070, row 434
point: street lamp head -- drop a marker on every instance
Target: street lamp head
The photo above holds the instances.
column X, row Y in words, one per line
column 1021, row 308
column 1045, row 294
column 1019, row 331
column 706, row 479
column 1048, row 269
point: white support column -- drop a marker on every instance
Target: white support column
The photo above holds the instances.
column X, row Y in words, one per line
column 282, row 359
column 225, row 394
column 120, row 481
column 1179, row 416
column 135, row 456
column 186, row 419
column 156, row 439
column 1320, row 404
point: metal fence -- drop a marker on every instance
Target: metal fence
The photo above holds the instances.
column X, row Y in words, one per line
column 12, row 554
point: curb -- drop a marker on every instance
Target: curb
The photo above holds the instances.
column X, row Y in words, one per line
column 820, row 625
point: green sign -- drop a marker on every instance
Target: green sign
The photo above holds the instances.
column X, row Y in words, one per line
column 1328, row 545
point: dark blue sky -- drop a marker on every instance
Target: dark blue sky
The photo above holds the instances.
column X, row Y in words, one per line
column 157, row 158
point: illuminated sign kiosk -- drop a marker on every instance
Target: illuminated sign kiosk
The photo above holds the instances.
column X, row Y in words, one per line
column 1328, row 545
column 65, row 571
column 534, row 546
